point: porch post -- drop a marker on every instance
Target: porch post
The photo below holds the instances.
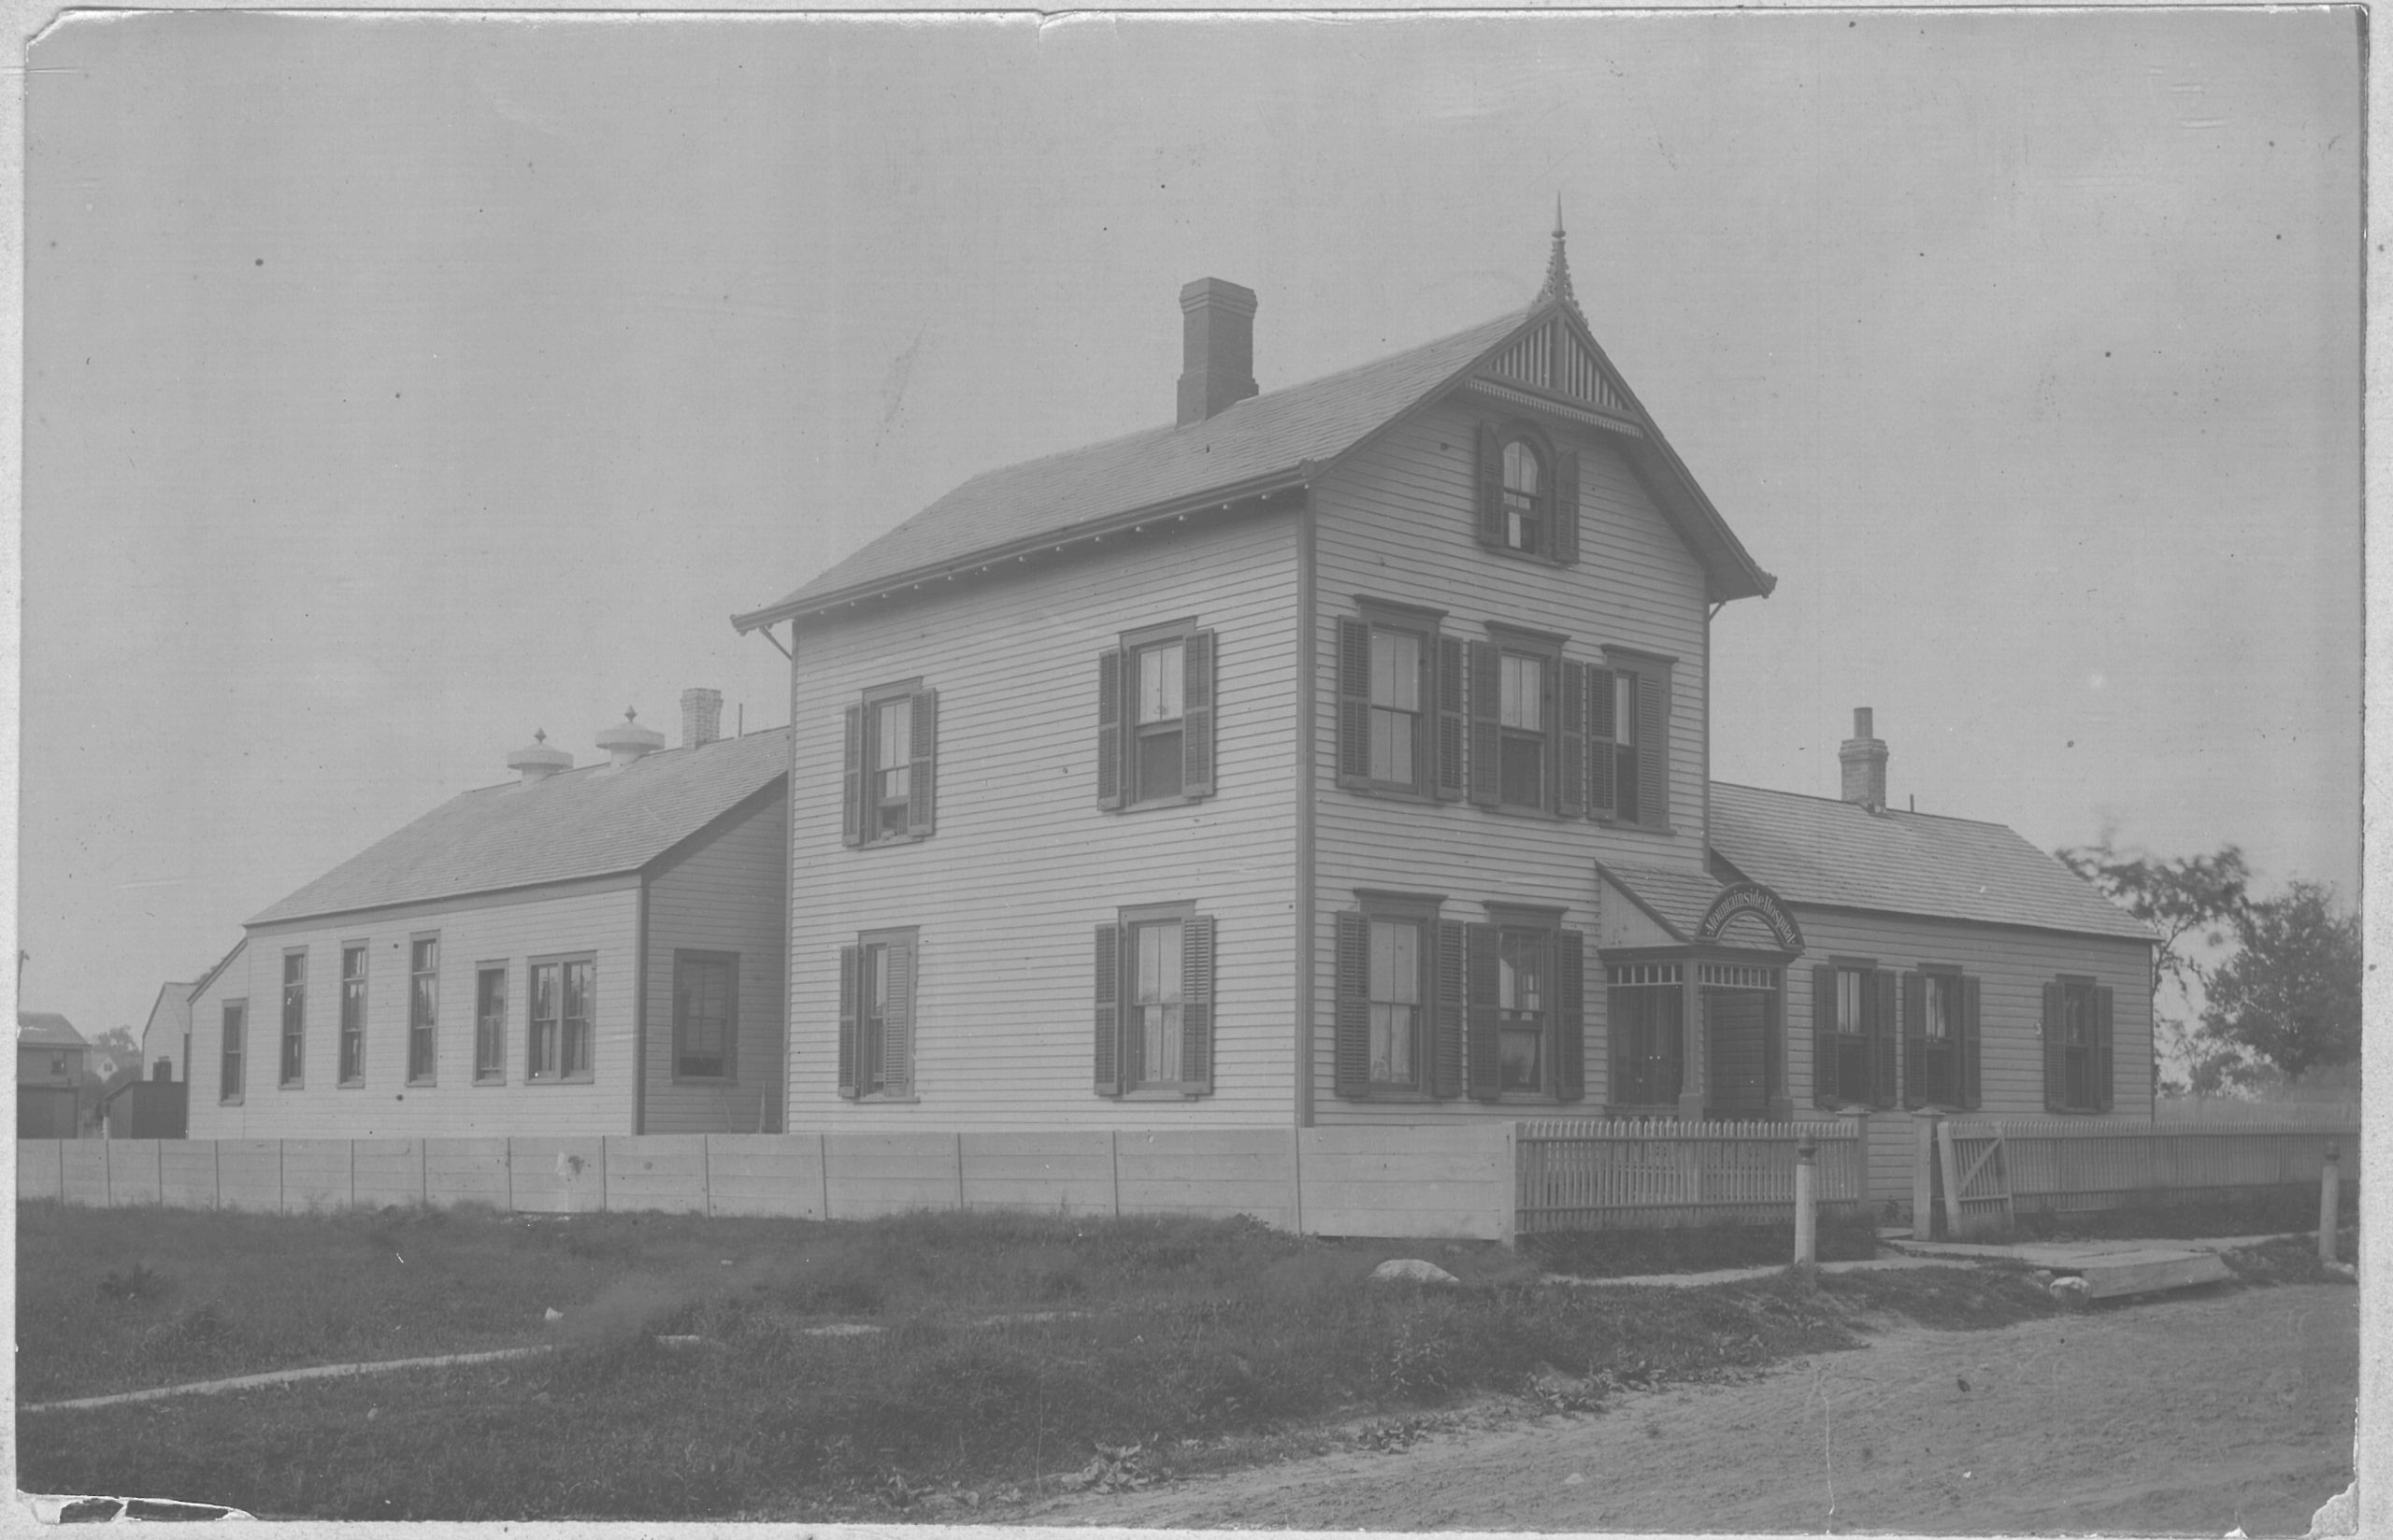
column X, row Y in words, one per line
column 1695, row 1060
column 1782, row 1098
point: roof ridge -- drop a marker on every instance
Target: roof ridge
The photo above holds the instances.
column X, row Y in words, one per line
column 1894, row 812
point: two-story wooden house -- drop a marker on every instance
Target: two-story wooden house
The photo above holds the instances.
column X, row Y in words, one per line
column 1322, row 756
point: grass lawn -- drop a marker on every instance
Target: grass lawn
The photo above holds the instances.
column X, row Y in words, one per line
column 1012, row 1348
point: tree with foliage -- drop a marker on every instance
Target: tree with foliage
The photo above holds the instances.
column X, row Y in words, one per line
column 2194, row 903
column 2291, row 995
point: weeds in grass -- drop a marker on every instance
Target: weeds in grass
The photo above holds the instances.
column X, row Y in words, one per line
column 136, row 1282
column 1851, row 1237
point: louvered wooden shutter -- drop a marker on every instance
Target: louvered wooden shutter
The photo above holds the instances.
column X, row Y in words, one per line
column 1566, row 506
column 2055, row 1070
column 1914, row 1037
column 1450, row 717
column 921, row 780
column 1197, row 1004
column 1486, row 735
column 1571, row 783
column 1965, row 1051
column 1109, row 1022
column 1570, row 1015
column 1196, row 716
column 1446, row 1030
column 1491, row 487
column 850, row 1024
column 1109, row 729
column 2102, row 1048
column 1824, row 1085
column 1353, row 1007
column 851, row 804
column 1486, row 1075
column 897, row 1023
column 1353, row 703
column 1654, row 754
column 1600, row 743
column 1886, row 1037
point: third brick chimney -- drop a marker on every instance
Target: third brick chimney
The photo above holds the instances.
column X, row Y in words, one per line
column 1217, row 337
column 1863, row 757
column 701, row 716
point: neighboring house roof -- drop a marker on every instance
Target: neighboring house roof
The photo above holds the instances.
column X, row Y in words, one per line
column 599, row 820
column 1837, row 854
column 210, row 976
column 47, row 1030
column 1278, row 440
column 174, row 1000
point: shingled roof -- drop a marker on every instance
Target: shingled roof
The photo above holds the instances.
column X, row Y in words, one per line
column 47, row 1030
column 600, row 820
column 1837, row 854
column 1275, row 441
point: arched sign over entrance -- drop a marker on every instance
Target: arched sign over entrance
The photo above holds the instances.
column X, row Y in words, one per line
column 1751, row 898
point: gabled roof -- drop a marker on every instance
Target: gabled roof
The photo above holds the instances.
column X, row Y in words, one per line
column 47, row 1030
column 1278, row 440
column 600, row 820
column 1675, row 898
column 210, row 976
column 1837, row 854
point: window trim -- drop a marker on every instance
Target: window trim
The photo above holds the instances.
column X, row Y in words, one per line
column 290, row 1069
column 236, row 1091
column 852, row 1041
column 1438, row 745
column 729, row 961
column 363, row 949
column 1558, row 513
column 1200, row 951
column 1437, row 1023
column 589, row 1072
column 431, row 1075
column 504, row 968
column 1118, row 728
column 2101, row 1053
column 1562, row 1050
column 1659, row 670
column 1546, row 648
column 1880, row 1038
column 860, row 818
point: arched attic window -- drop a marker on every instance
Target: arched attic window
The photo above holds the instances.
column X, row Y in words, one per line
column 1529, row 494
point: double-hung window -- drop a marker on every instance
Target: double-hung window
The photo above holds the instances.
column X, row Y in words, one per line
column 294, row 1017
column 490, row 1024
column 877, row 1014
column 1529, row 494
column 1527, row 723
column 1400, row 702
column 1629, row 713
column 889, row 790
column 1854, row 1056
column 1940, row 1038
column 352, row 1014
column 423, row 1009
column 1155, row 718
column 1526, row 986
column 2077, row 1044
column 232, row 1050
column 706, row 1014
column 1399, row 1023
column 1645, row 1015
column 1155, row 1001
column 563, row 992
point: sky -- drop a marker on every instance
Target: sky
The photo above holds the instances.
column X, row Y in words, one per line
column 397, row 386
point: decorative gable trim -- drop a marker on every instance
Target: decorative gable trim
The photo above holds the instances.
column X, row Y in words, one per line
column 1553, row 357
column 1552, row 406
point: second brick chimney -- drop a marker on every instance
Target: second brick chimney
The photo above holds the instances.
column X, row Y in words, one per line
column 1863, row 758
column 701, row 716
column 1217, row 347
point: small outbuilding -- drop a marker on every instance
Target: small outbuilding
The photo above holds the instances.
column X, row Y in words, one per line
column 50, row 1075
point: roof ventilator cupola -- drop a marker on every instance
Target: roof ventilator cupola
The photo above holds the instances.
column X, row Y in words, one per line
column 536, row 761
column 629, row 741
column 1863, row 757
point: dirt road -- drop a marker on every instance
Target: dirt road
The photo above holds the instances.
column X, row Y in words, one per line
column 2188, row 1416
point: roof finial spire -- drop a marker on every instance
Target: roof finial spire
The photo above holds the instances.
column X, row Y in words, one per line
column 1558, row 269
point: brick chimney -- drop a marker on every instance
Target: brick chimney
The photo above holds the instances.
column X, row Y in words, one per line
column 1217, row 347
column 1864, row 758
column 629, row 741
column 536, row 761
column 701, row 716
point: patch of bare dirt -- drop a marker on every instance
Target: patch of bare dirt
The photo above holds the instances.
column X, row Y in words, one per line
column 2195, row 1415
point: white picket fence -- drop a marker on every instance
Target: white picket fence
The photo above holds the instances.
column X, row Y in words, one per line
column 1591, row 1173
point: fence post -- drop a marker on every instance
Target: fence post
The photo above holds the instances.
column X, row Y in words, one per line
column 1113, row 1167
column 1923, row 1177
column 2329, row 1203
column 1806, row 1219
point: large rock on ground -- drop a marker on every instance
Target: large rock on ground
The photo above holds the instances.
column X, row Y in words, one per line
column 1412, row 1269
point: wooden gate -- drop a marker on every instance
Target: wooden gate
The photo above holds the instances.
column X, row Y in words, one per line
column 1977, row 1180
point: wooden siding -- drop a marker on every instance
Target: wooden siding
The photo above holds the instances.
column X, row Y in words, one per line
column 2011, row 965
column 1024, row 864
column 1396, row 524
column 728, row 892
column 512, row 929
